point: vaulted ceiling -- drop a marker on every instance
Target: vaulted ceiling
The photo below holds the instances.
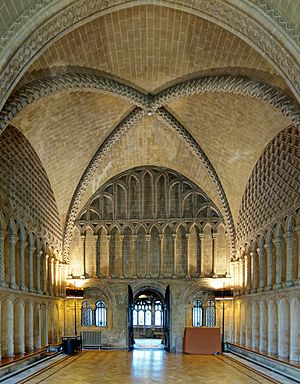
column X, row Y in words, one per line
column 150, row 47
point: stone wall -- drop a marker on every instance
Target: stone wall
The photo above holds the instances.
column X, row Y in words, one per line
column 149, row 222
column 266, row 273
column 29, row 322
column 269, row 323
column 32, row 274
column 25, row 191
column 114, row 295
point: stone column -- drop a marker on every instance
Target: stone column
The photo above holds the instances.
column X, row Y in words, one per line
column 82, row 239
column 289, row 258
column 269, row 246
column 241, row 274
column 278, row 243
column 161, row 256
column 297, row 281
column 233, row 273
column 134, row 256
column 30, row 263
column 148, row 267
column 2, row 262
column 56, row 280
column 261, row 257
column 22, row 263
column 121, row 256
column 99, row 256
column 252, row 273
column 93, row 258
column 45, row 273
column 12, row 261
column 188, row 256
column 255, row 270
column 50, row 274
column 38, row 267
column 201, row 264
column 63, row 272
column 109, row 266
column 174, row 237
column 244, row 273
column 249, row 263
column 214, row 254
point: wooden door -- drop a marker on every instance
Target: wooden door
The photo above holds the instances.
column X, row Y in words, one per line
column 167, row 320
column 130, row 319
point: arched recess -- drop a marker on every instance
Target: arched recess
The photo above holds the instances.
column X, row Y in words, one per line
column 18, row 327
column 141, row 246
column 44, row 325
column 7, row 328
column 129, row 254
column 115, row 253
column 243, row 324
column 104, row 252
column 56, row 330
column 168, row 251
column 272, row 327
column 37, row 326
column 295, row 329
column 103, row 293
column 29, row 327
column 249, row 324
column 181, row 251
column 50, row 323
column 263, row 326
column 237, row 321
column 255, row 325
column 154, row 252
column 284, row 318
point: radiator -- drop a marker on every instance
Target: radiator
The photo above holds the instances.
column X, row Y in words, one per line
column 91, row 339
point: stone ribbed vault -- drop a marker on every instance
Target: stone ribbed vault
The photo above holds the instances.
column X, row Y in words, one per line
column 146, row 104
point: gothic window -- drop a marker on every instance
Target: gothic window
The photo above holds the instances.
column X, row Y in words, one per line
column 197, row 313
column 135, row 317
column 86, row 314
column 158, row 314
column 100, row 314
column 211, row 314
column 141, row 313
column 147, row 312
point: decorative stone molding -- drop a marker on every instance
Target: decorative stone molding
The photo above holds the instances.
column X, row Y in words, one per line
column 26, row 190
column 175, row 124
column 285, row 25
column 223, row 84
column 273, row 188
column 225, row 14
column 208, row 84
column 237, row 85
column 102, row 151
column 129, row 204
column 68, row 81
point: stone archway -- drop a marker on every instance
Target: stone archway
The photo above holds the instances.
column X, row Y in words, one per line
column 148, row 318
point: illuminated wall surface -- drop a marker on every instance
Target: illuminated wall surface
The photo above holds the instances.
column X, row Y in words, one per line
column 149, row 146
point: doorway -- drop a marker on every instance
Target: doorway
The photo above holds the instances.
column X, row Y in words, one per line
column 148, row 319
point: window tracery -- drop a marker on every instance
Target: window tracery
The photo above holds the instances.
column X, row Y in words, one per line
column 197, row 313
column 91, row 318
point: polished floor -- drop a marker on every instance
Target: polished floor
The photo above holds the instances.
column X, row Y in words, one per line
column 143, row 367
column 148, row 344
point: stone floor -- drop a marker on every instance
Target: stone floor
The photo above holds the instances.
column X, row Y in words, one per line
column 143, row 367
column 148, row 344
